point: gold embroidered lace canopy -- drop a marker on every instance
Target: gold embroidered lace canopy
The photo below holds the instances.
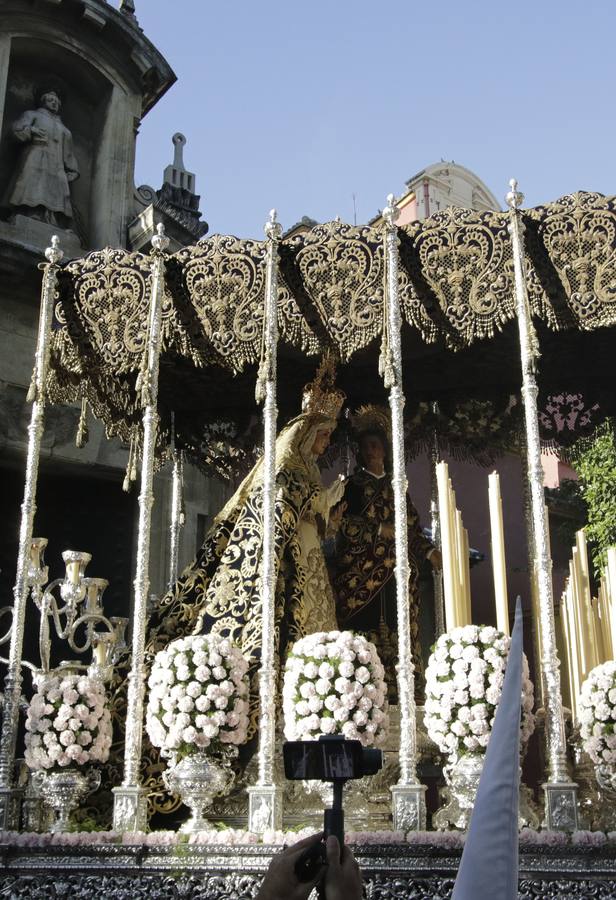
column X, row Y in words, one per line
column 460, row 342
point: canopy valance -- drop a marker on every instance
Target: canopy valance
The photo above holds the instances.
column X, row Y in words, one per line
column 457, row 300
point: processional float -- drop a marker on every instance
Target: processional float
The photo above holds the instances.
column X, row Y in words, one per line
column 145, row 341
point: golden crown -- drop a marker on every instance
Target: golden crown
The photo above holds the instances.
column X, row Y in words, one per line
column 321, row 396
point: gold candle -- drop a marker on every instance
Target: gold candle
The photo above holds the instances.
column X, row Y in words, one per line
column 567, row 668
column 598, row 631
column 463, row 596
column 606, row 624
column 573, row 645
column 453, row 530
column 583, row 587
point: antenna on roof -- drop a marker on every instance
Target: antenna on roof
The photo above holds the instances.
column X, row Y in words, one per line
column 354, row 211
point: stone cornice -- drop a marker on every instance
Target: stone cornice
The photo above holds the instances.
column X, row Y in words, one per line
column 108, row 26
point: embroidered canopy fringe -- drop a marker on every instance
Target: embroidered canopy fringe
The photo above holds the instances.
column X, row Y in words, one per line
column 456, row 292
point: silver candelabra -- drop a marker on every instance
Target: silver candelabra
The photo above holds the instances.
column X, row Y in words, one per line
column 77, row 615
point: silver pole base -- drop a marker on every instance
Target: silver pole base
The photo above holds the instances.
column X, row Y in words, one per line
column 264, row 808
column 10, row 808
column 130, row 809
column 408, row 807
column 561, row 806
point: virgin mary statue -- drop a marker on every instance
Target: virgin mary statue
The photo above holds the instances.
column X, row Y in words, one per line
column 221, row 590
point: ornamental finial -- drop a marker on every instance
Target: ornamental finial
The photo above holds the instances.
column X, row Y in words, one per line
column 391, row 211
column 273, row 228
column 54, row 254
column 514, row 198
column 160, row 241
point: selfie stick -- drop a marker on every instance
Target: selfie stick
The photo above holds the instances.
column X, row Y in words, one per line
column 333, row 819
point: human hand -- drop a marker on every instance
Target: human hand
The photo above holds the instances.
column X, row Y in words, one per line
column 335, row 491
column 335, row 516
column 343, row 880
column 40, row 134
column 386, row 531
column 436, row 560
column 281, row 882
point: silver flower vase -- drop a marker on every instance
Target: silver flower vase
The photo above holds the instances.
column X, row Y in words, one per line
column 63, row 791
column 606, row 807
column 462, row 778
column 198, row 779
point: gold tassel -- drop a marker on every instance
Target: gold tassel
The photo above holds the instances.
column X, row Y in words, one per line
column 133, row 468
column 261, row 381
column 386, row 363
column 264, row 364
column 83, row 432
column 32, row 390
column 130, row 465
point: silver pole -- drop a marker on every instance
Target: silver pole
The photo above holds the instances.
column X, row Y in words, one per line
column 560, row 791
column 9, row 807
column 129, row 806
column 177, row 512
column 532, row 574
column 409, row 809
column 265, row 799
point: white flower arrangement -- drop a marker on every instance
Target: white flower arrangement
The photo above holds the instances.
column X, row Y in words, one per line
column 334, row 684
column 464, row 681
column 68, row 723
column 597, row 714
column 237, row 837
column 198, row 696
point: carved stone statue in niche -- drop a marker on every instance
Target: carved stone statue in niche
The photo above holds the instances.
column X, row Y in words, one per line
column 47, row 164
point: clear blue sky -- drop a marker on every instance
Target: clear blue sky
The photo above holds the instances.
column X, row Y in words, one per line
column 301, row 105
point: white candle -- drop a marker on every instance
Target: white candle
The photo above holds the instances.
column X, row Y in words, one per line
column 449, row 592
column 467, row 580
column 609, row 580
column 499, row 567
column 463, row 599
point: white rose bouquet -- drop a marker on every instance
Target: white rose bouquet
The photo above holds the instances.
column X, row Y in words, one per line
column 333, row 684
column 464, row 681
column 198, row 696
column 597, row 714
column 68, row 723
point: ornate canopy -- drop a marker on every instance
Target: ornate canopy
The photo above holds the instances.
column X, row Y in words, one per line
column 456, row 291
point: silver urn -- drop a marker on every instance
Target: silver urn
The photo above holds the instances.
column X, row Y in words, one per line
column 462, row 777
column 198, row 779
column 605, row 807
column 63, row 791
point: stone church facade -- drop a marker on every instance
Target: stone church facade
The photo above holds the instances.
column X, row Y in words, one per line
column 76, row 79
